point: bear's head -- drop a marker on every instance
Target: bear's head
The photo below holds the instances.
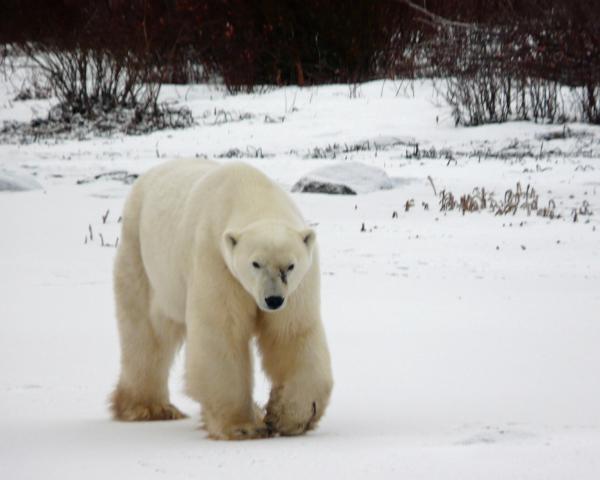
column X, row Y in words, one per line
column 269, row 259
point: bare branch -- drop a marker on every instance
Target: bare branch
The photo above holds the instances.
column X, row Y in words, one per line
column 438, row 19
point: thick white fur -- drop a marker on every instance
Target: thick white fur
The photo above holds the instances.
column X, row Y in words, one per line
column 192, row 230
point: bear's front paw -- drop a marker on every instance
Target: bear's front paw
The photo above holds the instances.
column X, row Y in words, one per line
column 289, row 414
column 220, row 428
column 244, row 431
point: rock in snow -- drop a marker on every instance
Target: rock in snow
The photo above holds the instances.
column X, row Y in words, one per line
column 347, row 178
column 13, row 182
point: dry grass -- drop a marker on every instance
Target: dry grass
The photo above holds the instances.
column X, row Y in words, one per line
column 514, row 200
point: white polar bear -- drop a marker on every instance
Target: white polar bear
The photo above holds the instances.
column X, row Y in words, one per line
column 219, row 254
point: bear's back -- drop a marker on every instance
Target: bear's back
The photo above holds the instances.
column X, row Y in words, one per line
column 246, row 195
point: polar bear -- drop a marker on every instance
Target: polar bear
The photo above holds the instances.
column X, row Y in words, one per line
column 216, row 255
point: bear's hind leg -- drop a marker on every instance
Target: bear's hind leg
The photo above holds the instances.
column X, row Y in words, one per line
column 149, row 342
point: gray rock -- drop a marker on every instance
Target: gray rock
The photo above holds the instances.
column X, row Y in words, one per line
column 12, row 182
column 346, row 178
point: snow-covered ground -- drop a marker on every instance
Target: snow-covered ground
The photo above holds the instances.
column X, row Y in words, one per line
column 463, row 346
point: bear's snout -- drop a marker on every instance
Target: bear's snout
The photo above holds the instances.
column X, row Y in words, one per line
column 274, row 302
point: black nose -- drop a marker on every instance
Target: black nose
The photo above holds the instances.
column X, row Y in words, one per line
column 274, row 302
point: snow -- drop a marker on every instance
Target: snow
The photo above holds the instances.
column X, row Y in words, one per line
column 463, row 346
column 346, row 177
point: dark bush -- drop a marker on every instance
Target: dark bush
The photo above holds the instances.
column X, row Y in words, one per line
column 508, row 58
column 100, row 60
column 302, row 42
column 244, row 43
column 516, row 59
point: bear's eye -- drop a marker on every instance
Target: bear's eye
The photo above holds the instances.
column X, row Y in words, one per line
column 255, row 264
column 291, row 267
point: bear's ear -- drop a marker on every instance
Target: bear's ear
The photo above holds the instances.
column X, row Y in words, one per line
column 308, row 237
column 230, row 240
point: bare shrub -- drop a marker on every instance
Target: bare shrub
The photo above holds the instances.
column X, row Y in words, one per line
column 488, row 96
column 514, row 60
column 484, row 97
column 86, row 80
column 99, row 92
column 544, row 101
column 34, row 88
column 587, row 101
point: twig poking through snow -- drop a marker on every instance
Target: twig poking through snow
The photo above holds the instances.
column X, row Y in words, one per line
column 432, row 184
